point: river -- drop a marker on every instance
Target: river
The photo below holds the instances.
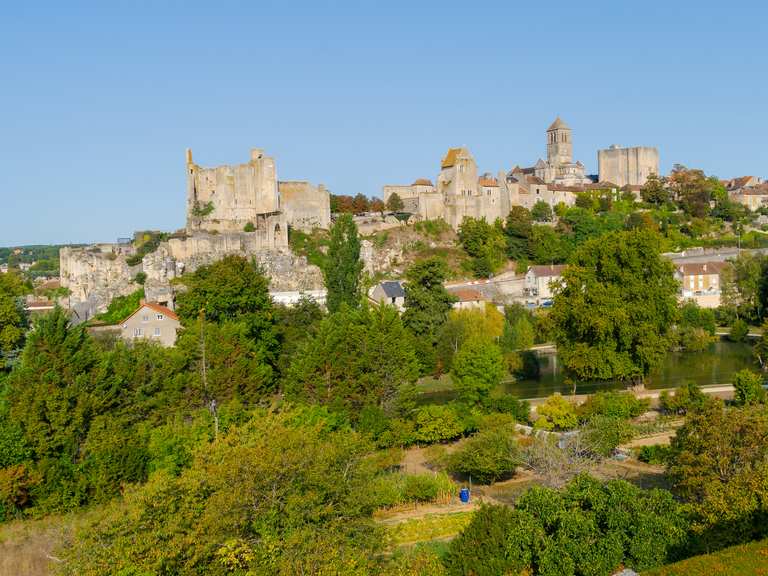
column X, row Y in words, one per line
column 715, row 365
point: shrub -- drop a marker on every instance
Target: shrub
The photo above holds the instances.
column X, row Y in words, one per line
column 507, row 404
column 249, row 227
column 556, row 413
column 686, row 398
column 739, row 331
column 603, row 434
column 749, row 388
column 140, row 278
column 614, row 404
column 437, row 423
column 121, row 307
column 588, row 528
column 488, row 456
column 656, row 454
column 397, row 488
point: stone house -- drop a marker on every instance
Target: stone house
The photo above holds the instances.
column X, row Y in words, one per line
column 539, row 280
column 153, row 322
column 701, row 282
column 753, row 197
column 389, row 292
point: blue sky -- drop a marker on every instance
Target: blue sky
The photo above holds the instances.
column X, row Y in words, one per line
column 99, row 100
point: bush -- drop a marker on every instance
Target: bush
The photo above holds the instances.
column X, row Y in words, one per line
column 686, row 398
column 739, row 331
column 121, row 307
column 659, row 454
column 556, row 413
column 437, row 423
column 749, row 388
column 249, row 227
column 612, row 403
column 140, row 278
column 507, row 404
column 488, row 456
column 603, row 434
column 397, row 488
column 588, row 528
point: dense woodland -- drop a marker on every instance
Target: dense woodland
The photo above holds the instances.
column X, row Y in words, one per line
column 265, row 441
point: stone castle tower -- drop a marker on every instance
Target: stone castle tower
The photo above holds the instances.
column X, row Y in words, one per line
column 559, row 145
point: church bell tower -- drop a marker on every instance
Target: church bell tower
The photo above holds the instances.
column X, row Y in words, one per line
column 559, row 146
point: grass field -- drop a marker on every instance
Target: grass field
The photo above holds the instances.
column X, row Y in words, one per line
column 743, row 560
column 430, row 527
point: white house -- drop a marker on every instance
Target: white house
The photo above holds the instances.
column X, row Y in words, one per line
column 151, row 321
column 539, row 280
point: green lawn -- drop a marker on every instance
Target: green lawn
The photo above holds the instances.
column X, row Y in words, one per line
column 744, row 560
column 429, row 527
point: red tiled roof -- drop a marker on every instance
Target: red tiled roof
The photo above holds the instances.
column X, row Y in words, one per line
column 488, row 182
column 701, row 268
column 156, row 307
column 467, row 294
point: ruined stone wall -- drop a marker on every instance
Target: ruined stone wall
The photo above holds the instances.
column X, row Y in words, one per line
column 306, row 207
column 236, row 194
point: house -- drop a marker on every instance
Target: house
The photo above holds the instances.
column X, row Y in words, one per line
column 389, row 292
column 701, row 282
column 151, row 321
column 753, row 197
column 467, row 298
column 539, row 280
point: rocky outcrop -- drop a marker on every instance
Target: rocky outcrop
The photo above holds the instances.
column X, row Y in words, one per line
column 97, row 274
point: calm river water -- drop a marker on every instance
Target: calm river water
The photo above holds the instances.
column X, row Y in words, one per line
column 709, row 367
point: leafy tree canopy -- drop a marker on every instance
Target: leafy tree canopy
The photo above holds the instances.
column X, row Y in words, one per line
column 614, row 311
column 343, row 266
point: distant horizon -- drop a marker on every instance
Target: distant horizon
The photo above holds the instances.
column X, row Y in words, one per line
column 352, row 96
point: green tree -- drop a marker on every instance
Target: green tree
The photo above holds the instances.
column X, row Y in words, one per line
column 477, row 368
column 427, row 304
column 232, row 288
column 517, row 229
column 749, row 388
column 343, row 265
column 613, row 315
column 546, row 246
column 655, row 190
column 484, row 243
column 395, row 203
column 308, row 510
column 541, row 212
column 13, row 319
column 603, row 434
column 718, row 465
column 356, row 358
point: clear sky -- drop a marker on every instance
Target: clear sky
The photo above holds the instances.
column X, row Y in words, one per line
column 99, row 100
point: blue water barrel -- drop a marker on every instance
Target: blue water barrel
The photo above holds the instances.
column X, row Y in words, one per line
column 464, row 495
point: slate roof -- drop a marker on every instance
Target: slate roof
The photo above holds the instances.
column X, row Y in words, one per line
column 393, row 289
column 701, row 268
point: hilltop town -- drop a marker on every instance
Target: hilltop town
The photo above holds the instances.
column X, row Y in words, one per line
column 245, row 209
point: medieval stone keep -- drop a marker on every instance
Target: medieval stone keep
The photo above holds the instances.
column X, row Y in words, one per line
column 627, row 166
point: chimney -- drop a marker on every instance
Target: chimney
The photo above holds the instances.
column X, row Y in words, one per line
column 189, row 155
